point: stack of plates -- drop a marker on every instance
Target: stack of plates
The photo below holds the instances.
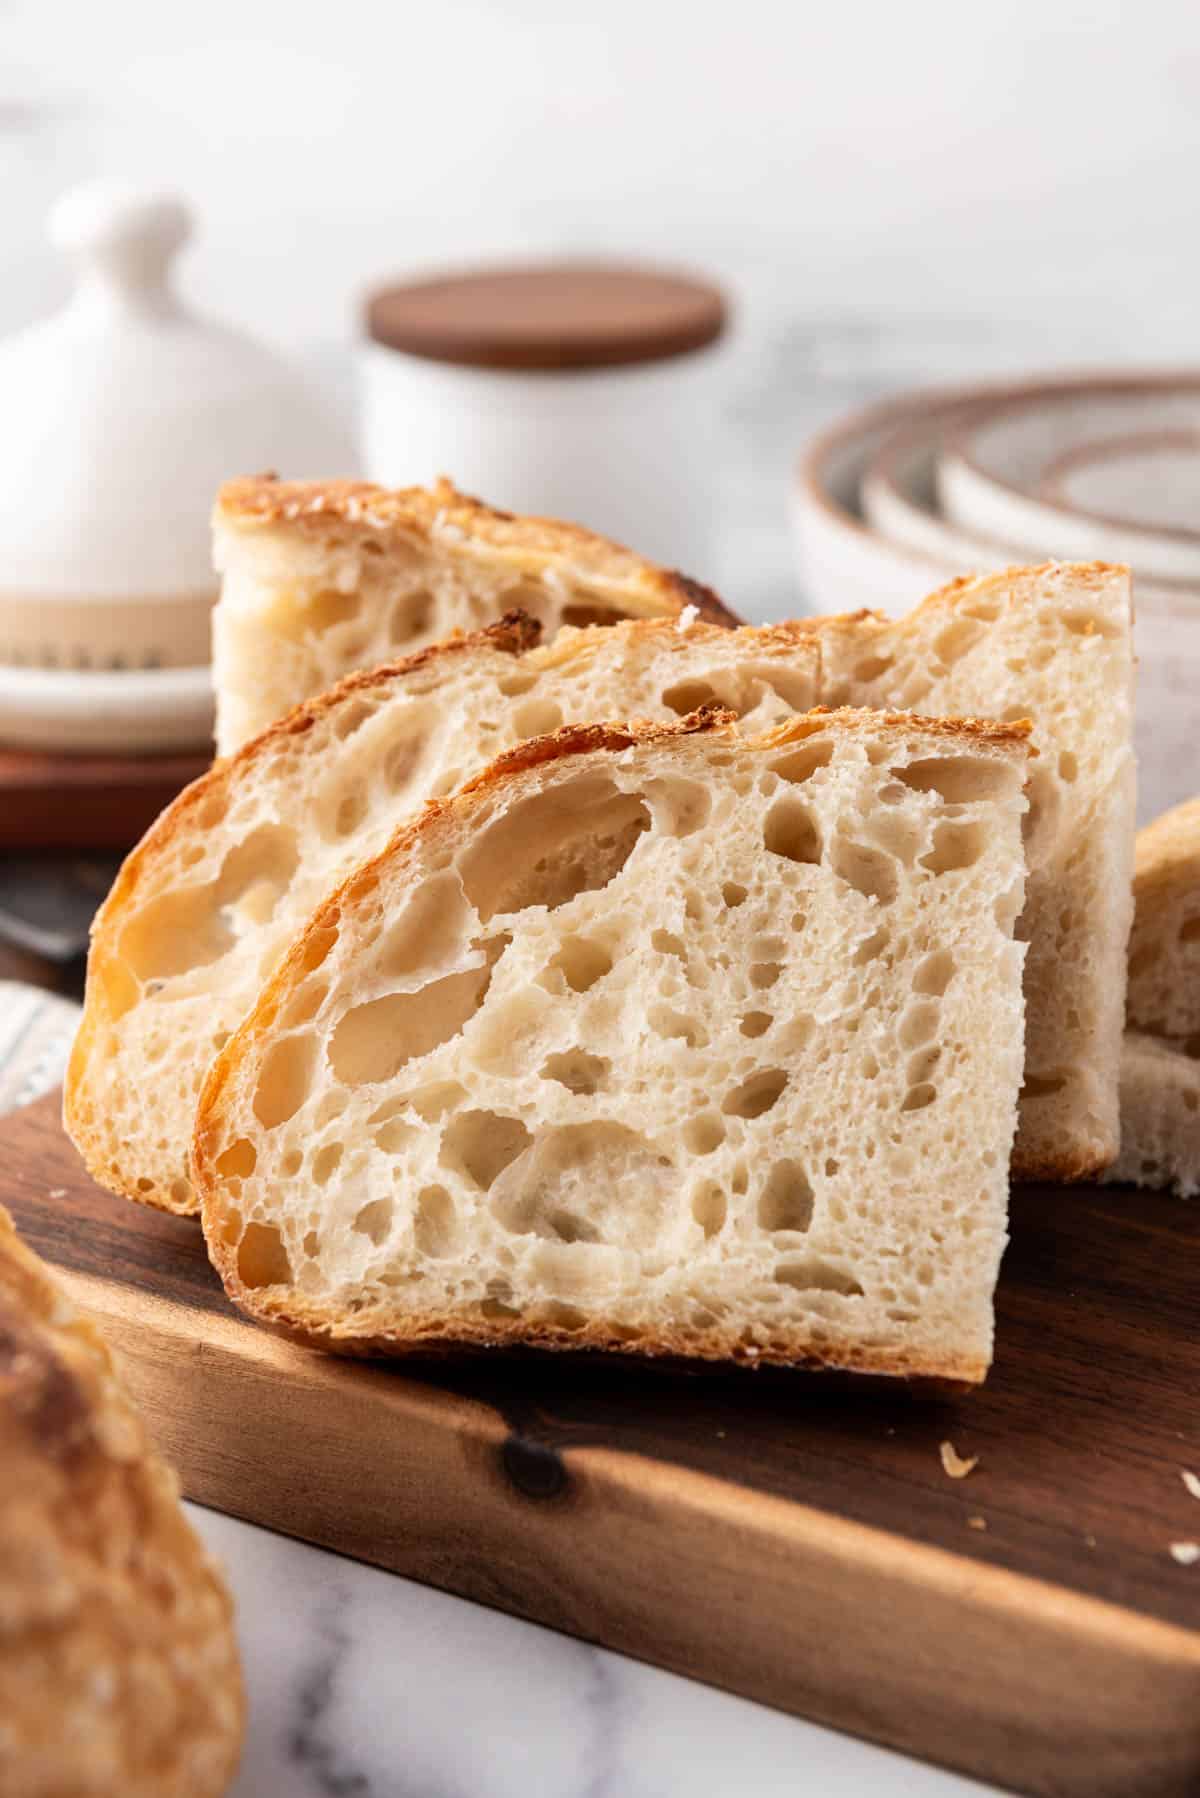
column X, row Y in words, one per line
column 901, row 498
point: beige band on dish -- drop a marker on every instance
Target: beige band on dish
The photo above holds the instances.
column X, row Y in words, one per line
column 45, row 632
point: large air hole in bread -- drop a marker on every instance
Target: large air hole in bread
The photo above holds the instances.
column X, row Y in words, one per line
column 552, row 847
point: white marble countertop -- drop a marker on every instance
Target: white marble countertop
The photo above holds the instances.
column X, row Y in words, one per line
column 365, row 1685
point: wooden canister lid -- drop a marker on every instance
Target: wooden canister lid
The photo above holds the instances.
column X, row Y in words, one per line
column 562, row 315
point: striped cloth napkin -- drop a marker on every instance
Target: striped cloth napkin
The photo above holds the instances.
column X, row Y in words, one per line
column 36, row 1031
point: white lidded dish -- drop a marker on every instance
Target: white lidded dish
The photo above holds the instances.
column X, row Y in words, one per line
column 577, row 390
column 122, row 415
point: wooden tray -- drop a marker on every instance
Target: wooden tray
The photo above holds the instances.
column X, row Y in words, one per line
column 772, row 1534
column 86, row 801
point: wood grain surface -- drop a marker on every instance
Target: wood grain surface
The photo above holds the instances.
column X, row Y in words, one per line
column 778, row 1535
column 87, row 801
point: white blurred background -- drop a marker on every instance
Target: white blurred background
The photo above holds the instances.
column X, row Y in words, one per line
column 981, row 160
column 893, row 192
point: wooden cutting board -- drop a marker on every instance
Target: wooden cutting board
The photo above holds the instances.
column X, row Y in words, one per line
column 777, row 1535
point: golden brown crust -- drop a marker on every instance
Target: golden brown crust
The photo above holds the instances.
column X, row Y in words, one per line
column 709, row 604
column 1096, row 575
column 1058, row 1170
column 453, row 1335
column 346, row 510
column 118, row 1666
column 765, row 641
column 968, row 588
column 975, row 730
column 586, row 739
column 360, row 1336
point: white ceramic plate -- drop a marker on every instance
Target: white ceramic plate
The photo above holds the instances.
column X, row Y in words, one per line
column 1102, row 469
column 867, row 526
column 1149, row 480
column 899, row 496
column 844, row 564
column 162, row 709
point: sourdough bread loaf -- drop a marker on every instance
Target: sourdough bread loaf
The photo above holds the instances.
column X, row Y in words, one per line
column 319, row 579
column 118, row 1666
column 204, row 908
column 657, row 1039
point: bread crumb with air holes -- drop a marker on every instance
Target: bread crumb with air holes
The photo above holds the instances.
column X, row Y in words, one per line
column 956, row 1465
column 548, row 907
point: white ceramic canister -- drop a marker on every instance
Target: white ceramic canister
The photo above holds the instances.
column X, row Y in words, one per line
column 121, row 416
column 587, row 392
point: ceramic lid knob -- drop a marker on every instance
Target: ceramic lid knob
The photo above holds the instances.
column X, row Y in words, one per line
column 123, row 238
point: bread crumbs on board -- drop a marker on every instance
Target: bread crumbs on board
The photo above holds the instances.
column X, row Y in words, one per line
column 956, row 1465
column 1186, row 1553
column 1191, row 1481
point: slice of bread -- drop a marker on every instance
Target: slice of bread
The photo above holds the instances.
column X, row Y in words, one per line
column 1164, row 945
column 1052, row 644
column 118, row 1665
column 654, row 1038
column 1160, row 1116
column 205, row 906
column 323, row 578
